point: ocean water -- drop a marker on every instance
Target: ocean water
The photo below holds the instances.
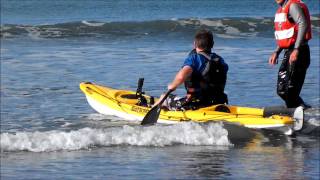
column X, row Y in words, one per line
column 48, row 130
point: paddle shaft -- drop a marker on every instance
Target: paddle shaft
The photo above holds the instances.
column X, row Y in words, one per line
column 165, row 97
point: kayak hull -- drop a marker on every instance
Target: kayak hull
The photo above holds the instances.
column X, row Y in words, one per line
column 121, row 103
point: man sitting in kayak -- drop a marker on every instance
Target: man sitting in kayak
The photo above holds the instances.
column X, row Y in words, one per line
column 204, row 74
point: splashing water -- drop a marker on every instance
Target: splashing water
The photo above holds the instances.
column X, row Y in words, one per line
column 185, row 133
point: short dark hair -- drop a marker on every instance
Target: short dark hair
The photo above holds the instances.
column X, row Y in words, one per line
column 204, row 39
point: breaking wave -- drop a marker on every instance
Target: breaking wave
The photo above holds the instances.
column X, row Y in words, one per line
column 184, row 133
column 223, row 27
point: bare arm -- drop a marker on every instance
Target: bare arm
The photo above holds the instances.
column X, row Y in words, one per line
column 273, row 59
column 180, row 77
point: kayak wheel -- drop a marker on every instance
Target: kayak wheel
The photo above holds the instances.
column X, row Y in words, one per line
column 298, row 116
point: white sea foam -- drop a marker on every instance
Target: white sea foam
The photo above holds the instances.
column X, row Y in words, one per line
column 314, row 18
column 67, row 124
column 93, row 24
column 53, row 32
column 6, row 35
column 183, row 133
column 5, row 28
column 252, row 24
column 232, row 30
column 313, row 111
column 212, row 23
column 98, row 117
column 266, row 21
column 314, row 122
column 3, row 50
column 33, row 32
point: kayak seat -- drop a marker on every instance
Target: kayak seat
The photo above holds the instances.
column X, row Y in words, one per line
column 127, row 98
column 133, row 99
column 222, row 108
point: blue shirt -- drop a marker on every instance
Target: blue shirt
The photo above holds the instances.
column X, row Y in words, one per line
column 194, row 85
column 197, row 62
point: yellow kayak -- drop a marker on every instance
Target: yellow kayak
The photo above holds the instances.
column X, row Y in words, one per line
column 124, row 104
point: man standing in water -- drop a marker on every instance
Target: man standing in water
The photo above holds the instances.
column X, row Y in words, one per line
column 292, row 31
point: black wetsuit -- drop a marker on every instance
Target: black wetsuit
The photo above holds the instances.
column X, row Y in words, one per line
column 291, row 77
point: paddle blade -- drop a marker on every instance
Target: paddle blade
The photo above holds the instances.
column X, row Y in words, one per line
column 152, row 116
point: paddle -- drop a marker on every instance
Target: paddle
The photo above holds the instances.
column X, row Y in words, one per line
column 153, row 115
